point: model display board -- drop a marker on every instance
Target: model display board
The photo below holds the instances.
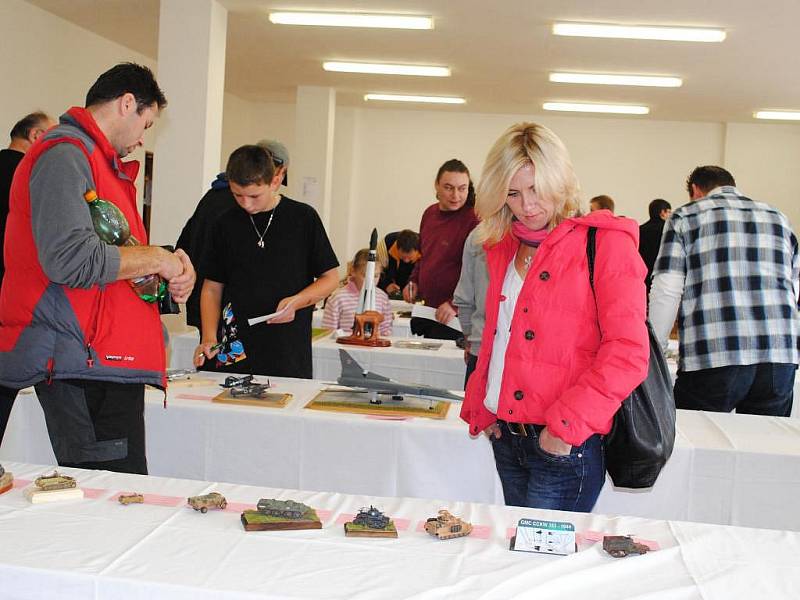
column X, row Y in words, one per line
column 206, row 501
column 320, row 333
column 446, row 526
column 417, row 344
column 247, row 391
column 370, row 522
column 355, row 402
column 6, row 480
column 278, row 515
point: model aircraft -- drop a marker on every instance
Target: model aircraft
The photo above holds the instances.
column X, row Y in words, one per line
column 355, row 377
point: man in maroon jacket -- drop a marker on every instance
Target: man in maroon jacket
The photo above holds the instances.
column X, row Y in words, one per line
column 443, row 229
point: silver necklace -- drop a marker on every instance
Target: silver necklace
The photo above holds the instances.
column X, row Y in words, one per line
column 261, row 235
column 527, row 262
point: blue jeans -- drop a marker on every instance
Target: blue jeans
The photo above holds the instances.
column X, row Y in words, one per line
column 763, row 389
column 534, row 478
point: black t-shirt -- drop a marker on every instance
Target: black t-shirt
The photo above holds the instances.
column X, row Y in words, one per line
column 9, row 160
column 296, row 251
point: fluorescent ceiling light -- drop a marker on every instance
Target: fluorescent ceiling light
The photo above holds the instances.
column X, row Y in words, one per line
column 386, row 69
column 783, row 115
column 327, row 19
column 674, row 34
column 623, row 109
column 601, row 79
column 402, row 98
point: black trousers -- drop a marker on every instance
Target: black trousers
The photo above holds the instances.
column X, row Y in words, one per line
column 7, row 397
column 95, row 424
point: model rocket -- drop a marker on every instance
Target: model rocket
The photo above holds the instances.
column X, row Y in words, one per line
column 367, row 299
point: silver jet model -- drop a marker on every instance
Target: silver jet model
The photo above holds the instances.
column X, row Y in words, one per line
column 354, row 376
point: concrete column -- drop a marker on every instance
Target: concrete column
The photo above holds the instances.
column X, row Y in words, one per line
column 191, row 71
column 311, row 169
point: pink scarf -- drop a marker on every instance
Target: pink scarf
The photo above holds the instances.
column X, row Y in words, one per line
column 529, row 237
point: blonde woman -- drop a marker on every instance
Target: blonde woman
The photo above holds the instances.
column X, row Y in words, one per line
column 556, row 359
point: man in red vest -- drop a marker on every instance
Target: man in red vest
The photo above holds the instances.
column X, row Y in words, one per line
column 70, row 322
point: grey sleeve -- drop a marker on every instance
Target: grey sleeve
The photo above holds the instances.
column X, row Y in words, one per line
column 464, row 295
column 69, row 250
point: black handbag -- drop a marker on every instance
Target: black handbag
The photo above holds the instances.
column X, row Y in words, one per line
column 643, row 432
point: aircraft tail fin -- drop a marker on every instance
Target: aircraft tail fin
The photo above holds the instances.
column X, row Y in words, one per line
column 351, row 368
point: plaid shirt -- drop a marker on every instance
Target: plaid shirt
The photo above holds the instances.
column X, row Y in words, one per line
column 741, row 268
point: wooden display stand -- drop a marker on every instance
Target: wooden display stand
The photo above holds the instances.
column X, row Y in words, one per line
column 270, row 399
column 365, row 331
column 353, row 530
column 37, row 496
column 254, row 520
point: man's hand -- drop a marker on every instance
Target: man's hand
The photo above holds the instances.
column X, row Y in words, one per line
column 553, row 445
column 410, row 292
column 392, row 288
column 467, row 348
column 493, row 431
column 205, row 350
column 170, row 265
column 181, row 286
column 289, row 304
column 445, row 313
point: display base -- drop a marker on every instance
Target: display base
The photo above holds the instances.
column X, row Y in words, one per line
column 6, row 482
column 359, row 403
column 359, row 341
column 37, row 496
column 351, row 530
column 270, row 400
column 253, row 520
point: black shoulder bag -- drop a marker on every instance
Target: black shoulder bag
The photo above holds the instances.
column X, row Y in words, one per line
column 643, row 432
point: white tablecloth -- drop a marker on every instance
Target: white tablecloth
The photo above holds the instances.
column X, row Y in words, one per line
column 96, row 549
column 727, row 469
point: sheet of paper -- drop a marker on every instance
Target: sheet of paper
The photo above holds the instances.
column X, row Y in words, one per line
column 267, row 318
column 428, row 312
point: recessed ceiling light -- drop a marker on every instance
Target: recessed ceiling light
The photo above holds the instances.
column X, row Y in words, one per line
column 386, row 69
column 330, row 19
column 403, row 98
column 604, row 79
column 782, row 115
column 674, row 34
column 623, row 109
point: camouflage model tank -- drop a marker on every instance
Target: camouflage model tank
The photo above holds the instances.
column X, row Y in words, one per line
column 620, row 546
column 446, row 526
column 286, row 509
column 372, row 518
column 54, row 481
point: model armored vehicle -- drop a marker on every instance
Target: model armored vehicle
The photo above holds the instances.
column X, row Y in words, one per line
column 447, row 527
column 372, row 518
column 6, row 480
column 2, row 471
column 54, row 481
column 620, row 546
column 231, row 381
column 131, row 499
column 206, row 501
column 285, row 509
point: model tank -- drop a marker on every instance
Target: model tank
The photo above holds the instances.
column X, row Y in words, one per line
column 620, row 546
column 206, row 501
column 372, row 518
column 54, row 481
column 286, row 509
column 446, row 526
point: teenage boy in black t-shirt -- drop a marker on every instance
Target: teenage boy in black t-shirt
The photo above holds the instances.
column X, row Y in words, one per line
column 267, row 254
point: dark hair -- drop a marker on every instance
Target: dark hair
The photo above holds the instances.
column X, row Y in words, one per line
column 22, row 128
column 470, row 194
column 453, row 166
column 603, row 201
column 708, row 177
column 127, row 78
column 249, row 165
column 407, row 240
column 657, row 206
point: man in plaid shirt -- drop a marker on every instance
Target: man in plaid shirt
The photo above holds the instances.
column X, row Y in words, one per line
column 729, row 268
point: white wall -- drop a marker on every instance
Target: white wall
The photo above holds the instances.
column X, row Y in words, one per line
column 49, row 64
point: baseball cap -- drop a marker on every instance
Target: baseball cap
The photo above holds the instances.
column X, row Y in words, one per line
column 280, row 156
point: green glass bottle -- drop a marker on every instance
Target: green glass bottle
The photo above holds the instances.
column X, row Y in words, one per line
column 112, row 227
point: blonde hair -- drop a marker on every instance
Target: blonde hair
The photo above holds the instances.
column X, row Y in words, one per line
column 554, row 178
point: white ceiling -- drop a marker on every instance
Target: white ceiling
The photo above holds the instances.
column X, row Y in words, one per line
column 500, row 52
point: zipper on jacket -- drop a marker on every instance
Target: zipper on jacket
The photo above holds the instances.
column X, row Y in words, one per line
column 89, row 359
